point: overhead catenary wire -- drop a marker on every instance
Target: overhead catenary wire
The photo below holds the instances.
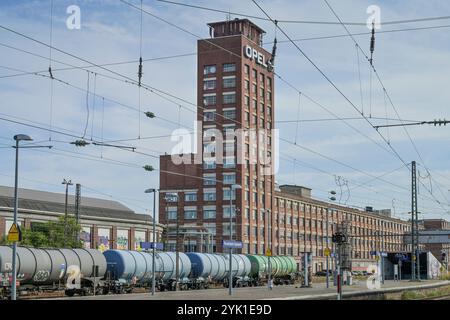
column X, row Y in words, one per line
column 50, row 68
column 105, row 68
column 389, row 97
column 304, row 21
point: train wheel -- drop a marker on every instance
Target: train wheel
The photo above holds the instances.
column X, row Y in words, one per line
column 69, row 293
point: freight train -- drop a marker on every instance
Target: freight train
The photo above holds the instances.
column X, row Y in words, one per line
column 89, row 271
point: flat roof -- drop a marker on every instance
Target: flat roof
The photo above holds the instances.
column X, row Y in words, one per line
column 212, row 24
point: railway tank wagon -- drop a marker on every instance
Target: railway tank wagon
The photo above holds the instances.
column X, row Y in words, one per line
column 134, row 268
column 206, row 269
column 49, row 269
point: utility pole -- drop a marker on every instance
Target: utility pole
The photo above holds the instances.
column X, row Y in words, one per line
column 232, row 191
column 332, row 198
column 67, row 184
column 77, row 209
column 154, row 237
column 414, row 226
column 174, row 197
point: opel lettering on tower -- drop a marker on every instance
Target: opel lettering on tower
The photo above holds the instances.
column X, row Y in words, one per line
column 254, row 54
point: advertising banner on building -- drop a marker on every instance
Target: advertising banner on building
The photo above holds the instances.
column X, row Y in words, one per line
column 122, row 239
column 139, row 236
column 85, row 237
column 103, row 239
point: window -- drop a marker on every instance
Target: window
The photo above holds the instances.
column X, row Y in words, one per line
column 226, row 229
column 229, row 114
column 269, row 96
column 190, row 213
column 229, row 82
column 229, row 98
column 209, row 116
column 171, row 213
column 247, row 85
column 226, row 211
column 229, row 67
column 211, row 227
column 229, row 163
column 261, row 93
column 209, row 164
column 255, row 74
column 269, row 84
column 209, row 195
column 226, row 194
column 209, row 69
column 209, row 179
column 209, row 133
column 254, row 104
column 246, row 69
column 190, row 196
column 209, row 84
column 261, row 79
column 247, row 101
column 229, row 178
column 229, row 148
column 254, row 88
column 209, row 213
column 209, row 100
column 209, row 147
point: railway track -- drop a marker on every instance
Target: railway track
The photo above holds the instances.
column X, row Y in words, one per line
column 447, row 297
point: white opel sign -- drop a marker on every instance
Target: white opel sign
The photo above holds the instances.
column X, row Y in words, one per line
column 254, row 54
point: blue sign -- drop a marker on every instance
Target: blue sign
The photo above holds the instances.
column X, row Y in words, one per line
column 149, row 245
column 231, row 244
column 384, row 254
column 373, row 253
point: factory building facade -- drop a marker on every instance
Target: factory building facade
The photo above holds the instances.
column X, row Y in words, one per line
column 105, row 224
column 232, row 175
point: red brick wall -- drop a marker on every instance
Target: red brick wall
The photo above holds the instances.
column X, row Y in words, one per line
column 131, row 239
column 113, row 238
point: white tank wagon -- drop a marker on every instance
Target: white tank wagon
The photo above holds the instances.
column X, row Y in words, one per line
column 206, row 268
column 134, row 268
column 51, row 269
column 240, row 269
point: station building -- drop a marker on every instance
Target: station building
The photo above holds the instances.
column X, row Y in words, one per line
column 235, row 89
column 105, row 223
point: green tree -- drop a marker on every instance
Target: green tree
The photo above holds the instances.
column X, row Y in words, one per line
column 52, row 234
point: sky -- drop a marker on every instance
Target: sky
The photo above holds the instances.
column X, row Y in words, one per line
column 413, row 66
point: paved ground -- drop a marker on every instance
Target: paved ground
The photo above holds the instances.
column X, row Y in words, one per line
column 318, row 291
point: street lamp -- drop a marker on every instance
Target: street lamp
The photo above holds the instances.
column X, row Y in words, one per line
column 332, row 198
column 269, row 242
column 18, row 138
column 233, row 188
column 154, row 237
column 67, row 184
column 173, row 197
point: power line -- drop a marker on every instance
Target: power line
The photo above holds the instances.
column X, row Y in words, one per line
column 134, row 83
column 304, row 21
column 328, row 79
column 389, row 97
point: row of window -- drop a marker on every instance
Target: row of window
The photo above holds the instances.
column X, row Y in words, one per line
column 212, row 69
column 333, row 214
column 255, row 77
column 209, row 212
column 228, row 162
column 227, row 83
column 211, row 115
column 211, row 98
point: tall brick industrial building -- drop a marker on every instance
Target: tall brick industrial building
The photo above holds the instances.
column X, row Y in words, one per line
column 236, row 90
